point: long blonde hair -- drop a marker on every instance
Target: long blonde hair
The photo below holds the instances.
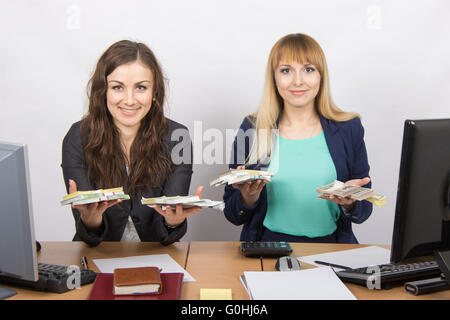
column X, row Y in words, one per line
column 299, row 48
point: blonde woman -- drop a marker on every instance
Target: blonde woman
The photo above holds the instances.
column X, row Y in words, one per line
column 314, row 143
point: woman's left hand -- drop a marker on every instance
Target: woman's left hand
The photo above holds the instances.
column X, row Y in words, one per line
column 346, row 202
column 175, row 217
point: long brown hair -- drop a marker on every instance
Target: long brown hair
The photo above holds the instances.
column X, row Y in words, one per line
column 149, row 164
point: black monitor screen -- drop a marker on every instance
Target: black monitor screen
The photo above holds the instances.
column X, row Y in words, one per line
column 422, row 211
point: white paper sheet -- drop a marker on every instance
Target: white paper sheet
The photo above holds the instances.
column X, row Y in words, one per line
column 163, row 261
column 309, row 284
column 353, row 258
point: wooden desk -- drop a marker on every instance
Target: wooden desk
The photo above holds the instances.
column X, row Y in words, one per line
column 360, row 292
column 212, row 264
column 70, row 253
column 217, row 265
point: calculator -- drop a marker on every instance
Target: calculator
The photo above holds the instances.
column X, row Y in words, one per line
column 265, row 249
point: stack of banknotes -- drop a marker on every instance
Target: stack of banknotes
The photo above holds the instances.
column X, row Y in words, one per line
column 339, row 188
column 85, row 197
column 235, row 176
column 186, row 201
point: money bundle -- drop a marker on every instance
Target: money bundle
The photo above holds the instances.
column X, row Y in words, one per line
column 186, row 201
column 235, row 176
column 339, row 188
column 85, row 197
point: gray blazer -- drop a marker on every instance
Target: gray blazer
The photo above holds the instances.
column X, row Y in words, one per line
column 149, row 223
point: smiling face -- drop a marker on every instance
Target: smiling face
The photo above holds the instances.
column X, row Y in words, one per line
column 129, row 94
column 297, row 84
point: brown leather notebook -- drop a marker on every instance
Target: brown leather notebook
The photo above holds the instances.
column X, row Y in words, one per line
column 103, row 288
column 137, row 280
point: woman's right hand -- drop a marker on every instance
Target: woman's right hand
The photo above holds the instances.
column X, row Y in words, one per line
column 250, row 191
column 92, row 213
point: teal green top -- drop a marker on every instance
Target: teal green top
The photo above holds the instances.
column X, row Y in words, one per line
column 300, row 166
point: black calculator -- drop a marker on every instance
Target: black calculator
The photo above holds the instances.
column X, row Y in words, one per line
column 265, row 249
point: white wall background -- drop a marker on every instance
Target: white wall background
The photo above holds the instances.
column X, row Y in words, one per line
column 388, row 60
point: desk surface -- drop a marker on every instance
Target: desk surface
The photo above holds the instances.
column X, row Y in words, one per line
column 217, row 265
column 70, row 253
column 360, row 292
column 212, row 264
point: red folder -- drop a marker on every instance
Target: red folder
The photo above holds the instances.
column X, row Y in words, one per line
column 102, row 288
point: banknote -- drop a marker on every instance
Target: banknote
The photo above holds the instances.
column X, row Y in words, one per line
column 377, row 200
column 235, row 176
column 164, row 200
column 339, row 188
column 185, row 201
column 91, row 196
column 102, row 198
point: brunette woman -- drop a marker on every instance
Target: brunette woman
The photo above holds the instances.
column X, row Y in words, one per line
column 125, row 140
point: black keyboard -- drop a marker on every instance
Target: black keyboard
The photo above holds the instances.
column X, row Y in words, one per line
column 387, row 276
column 53, row 278
column 265, row 249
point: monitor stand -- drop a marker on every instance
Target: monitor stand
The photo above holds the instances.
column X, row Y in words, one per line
column 6, row 293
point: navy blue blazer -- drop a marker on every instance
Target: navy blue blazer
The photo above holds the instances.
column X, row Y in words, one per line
column 345, row 142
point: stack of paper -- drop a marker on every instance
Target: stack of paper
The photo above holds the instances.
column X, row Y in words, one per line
column 309, row 284
column 339, row 188
column 164, row 261
column 85, row 197
column 235, row 176
column 351, row 258
column 186, row 201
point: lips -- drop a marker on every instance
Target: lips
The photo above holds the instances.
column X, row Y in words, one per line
column 298, row 92
column 128, row 112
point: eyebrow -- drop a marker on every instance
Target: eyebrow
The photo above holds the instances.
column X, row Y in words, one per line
column 288, row 65
column 135, row 83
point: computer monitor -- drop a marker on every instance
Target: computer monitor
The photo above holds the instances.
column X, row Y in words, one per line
column 422, row 213
column 17, row 240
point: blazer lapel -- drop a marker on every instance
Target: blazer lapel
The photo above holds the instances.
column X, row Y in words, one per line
column 336, row 147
